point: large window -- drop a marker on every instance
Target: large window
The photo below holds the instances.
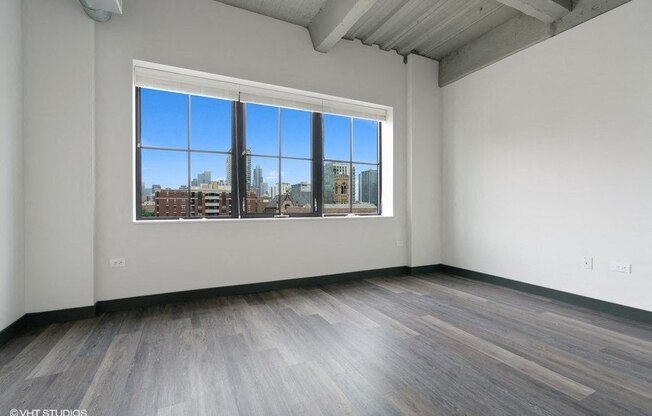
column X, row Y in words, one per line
column 202, row 157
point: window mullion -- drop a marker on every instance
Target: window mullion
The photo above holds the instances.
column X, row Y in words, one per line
column 139, row 174
column 236, row 162
column 189, row 197
column 379, row 178
column 317, row 164
column 280, row 152
column 351, row 178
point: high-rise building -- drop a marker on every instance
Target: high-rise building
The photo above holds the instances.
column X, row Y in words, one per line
column 264, row 188
column 369, row 186
column 258, row 179
column 248, row 168
column 228, row 169
column 204, row 177
column 333, row 170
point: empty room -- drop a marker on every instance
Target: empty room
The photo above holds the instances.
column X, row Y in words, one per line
column 326, row 207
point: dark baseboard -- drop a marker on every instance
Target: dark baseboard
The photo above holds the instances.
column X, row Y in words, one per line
column 615, row 309
column 31, row 320
column 433, row 268
column 61, row 315
column 13, row 329
column 114, row 305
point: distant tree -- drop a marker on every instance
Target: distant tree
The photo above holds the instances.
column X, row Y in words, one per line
column 144, row 213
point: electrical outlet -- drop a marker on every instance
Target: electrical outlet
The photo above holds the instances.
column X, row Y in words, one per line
column 620, row 267
column 587, row 261
column 118, row 262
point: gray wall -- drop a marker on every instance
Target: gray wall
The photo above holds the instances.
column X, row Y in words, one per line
column 12, row 289
column 547, row 158
column 58, row 155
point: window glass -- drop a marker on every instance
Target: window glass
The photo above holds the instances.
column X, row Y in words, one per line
column 165, row 183
column 350, row 187
column 337, row 187
column 367, row 190
column 296, row 183
column 264, row 190
column 337, row 137
column 210, row 194
column 278, row 171
column 295, row 133
column 262, row 124
column 210, row 124
column 365, row 141
column 163, row 119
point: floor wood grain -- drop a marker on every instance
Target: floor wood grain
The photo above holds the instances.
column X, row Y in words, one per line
column 430, row 344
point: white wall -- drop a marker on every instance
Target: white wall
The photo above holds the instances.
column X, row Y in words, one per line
column 58, row 132
column 548, row 157
column 424, row 167
column 12, row 288
column 212, row 37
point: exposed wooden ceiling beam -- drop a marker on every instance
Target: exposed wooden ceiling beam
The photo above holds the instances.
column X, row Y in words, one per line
column 334, row 20
column 547, row 11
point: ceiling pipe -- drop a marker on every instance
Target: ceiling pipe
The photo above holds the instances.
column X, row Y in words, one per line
column 95, row 14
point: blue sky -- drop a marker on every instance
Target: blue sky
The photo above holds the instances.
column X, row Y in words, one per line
column 164, row 123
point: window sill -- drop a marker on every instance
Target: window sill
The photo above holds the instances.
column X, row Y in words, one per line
column 266, row 219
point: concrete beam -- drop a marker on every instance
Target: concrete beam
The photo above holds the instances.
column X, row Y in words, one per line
column 516, row 34
column 334, row 20
column 547, row 11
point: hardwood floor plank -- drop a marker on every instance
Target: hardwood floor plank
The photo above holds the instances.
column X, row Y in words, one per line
column 430, row 287
column 578, row 365
column 321, row 393
column 393, row 285
column 106, row 389
column 15, row 371
column 401, row 330
column 411, row 403
column 546, row 376
column 69, row 388
column 65, row 351
column 628, row 342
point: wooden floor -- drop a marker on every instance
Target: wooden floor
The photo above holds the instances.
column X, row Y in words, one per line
column 418, row 345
